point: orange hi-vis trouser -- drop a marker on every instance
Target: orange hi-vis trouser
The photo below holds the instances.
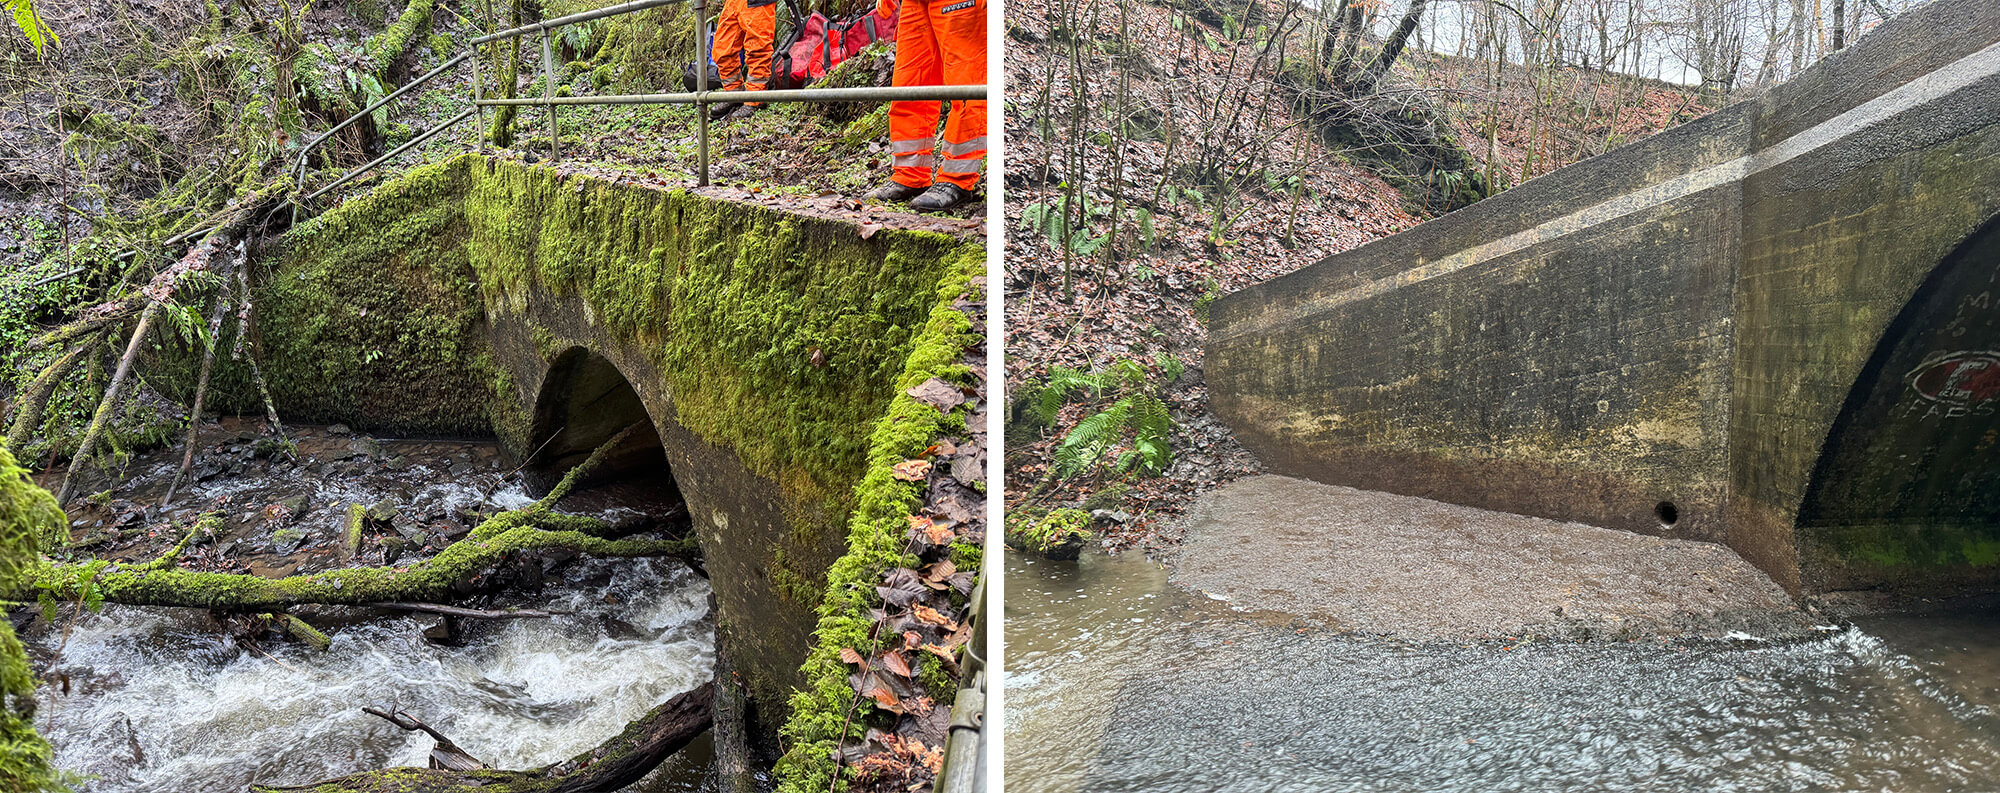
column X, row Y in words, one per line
column 938, row 42
column 743, row 39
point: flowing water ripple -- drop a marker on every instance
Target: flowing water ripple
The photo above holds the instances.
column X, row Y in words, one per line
column 164, row 703
column 1141, row 686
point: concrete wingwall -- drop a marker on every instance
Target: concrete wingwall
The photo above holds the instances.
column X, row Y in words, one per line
column 552, row 311
column 1675, row 337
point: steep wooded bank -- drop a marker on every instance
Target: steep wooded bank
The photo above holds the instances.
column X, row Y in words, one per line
column 1163, row 154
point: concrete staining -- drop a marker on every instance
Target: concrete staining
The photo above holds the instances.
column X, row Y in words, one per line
column 1769, row 323
column 1419, row 569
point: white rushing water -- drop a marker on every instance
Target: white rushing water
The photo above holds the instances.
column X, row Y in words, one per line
column 162, row 701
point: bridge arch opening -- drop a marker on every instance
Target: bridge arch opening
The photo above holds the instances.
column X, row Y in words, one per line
column 585, row 401
column 1908, row 478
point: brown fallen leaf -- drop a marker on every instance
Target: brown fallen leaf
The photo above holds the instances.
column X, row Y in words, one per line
column 929, row 615
column 938, row 394
column 912, row 470
column 868, row 229
column 887, row 700
column 848, row 655
column 945, row 655
column 893, row 661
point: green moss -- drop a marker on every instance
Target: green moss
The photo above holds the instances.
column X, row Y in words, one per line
column 369, row 316
column 876, row 530
column 385, row 48
column 730, row 300
column 29, row 521
column 1043, row 533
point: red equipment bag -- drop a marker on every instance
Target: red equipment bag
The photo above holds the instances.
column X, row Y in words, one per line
column 811, row 57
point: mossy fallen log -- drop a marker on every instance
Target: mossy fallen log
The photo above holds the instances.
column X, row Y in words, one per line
column 486, row 548
column 609, row 766
column 438, row 578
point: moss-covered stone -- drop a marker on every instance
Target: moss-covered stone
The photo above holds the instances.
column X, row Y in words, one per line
column 29, row 519
column 876, row 542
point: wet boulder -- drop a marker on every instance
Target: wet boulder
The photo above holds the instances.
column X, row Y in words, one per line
column 288, row 540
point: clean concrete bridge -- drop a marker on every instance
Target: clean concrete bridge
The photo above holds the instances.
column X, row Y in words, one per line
column 1773, row 327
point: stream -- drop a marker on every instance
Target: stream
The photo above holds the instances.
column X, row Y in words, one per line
column 1119, row 679
column 166, row 699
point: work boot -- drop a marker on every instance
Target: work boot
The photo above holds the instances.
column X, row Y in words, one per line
column 743, row 112
column 895, row 192
column 716, row 113
column 941, row 196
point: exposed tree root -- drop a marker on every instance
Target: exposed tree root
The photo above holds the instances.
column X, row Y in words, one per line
column 610, row 766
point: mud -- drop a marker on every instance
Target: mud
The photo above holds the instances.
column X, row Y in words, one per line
column 1336, row 557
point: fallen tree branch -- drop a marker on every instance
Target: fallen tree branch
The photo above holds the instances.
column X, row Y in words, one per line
column 103, row 413
column 436, row 578
column 256, row 372
column 299, row 630
column 610, row 766
column 445, row 755
column 450, row 572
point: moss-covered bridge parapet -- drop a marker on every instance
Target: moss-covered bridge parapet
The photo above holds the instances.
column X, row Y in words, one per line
column 764, row 348
column 1771, row 327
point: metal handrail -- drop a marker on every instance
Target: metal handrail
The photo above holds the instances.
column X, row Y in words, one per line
column 582, row 16
column 701, row 96
column 864, row 94
column 306, row 150
column 963, row 769
column 427, row 135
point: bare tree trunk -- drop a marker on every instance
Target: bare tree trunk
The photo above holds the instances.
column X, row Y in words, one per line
column 1393, row 47
column 103, row 414
column 29, row 409
column 1350, row 45
column 201, row 383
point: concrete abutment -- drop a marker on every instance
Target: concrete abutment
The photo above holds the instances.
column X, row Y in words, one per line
column 1762, row 328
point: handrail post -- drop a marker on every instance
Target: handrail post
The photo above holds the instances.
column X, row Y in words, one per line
column 549, row 93
column 701, row 88
column 478, row 94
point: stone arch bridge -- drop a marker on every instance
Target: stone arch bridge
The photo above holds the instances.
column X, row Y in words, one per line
column 762, row 348
column 1773, row 327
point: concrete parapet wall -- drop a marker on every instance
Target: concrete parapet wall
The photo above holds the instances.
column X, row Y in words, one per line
column 1664, row 338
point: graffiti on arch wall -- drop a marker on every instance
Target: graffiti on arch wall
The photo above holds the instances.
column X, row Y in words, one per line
column 1955, row 385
